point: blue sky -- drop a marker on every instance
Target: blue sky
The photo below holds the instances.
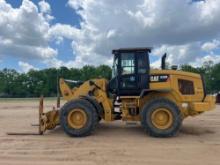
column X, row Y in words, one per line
column 46, row 33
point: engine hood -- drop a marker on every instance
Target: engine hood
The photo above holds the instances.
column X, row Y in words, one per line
column 174, row 72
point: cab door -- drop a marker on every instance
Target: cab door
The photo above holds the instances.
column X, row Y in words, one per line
column 133, row 73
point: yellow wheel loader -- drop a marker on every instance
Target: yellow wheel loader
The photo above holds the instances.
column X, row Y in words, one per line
column 158, row 99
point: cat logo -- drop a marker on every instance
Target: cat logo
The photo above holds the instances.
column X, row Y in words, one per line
column 154, row 78
column 158, row 78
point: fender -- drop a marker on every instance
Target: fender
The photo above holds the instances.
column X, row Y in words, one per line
column 145, row 91
column 93, row 101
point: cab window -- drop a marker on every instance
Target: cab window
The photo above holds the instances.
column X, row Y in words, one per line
column 128, row 63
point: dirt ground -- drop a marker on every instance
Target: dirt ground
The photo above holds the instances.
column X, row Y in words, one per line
column 115, row 143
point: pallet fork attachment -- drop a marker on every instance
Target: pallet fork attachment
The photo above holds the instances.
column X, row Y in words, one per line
column 47, row 121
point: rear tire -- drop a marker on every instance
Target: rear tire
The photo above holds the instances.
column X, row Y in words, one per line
column 161, row 118
column 78, row 118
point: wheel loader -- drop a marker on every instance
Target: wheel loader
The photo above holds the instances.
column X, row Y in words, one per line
column 160, row 99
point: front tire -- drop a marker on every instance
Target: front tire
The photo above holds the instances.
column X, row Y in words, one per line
column 78, row 118
column 161, row 118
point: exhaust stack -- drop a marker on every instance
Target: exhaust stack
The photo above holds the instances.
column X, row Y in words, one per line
column 163, row 61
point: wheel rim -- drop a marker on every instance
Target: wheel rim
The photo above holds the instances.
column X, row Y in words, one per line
column 77, row 118
column 162, row 118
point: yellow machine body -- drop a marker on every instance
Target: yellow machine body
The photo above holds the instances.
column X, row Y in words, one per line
column 189, row 105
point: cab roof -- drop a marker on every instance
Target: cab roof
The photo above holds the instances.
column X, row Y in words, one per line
column 146, row 49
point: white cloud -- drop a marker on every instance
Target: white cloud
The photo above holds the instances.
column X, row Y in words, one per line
column 156, row 64
column 45, row 10
column 63, row 30
column 44, row 6
column 185, row 54
column 75, row 4
column 200, row 61
column 56, row 63
column 209, row 46
column 111, row 33
column 180, row 54
column 23, row 32
column 25, row 67
column 112, row 24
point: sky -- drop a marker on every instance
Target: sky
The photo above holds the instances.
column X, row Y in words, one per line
column 40, row 34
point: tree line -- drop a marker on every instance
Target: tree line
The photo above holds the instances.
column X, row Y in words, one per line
column 37, row 82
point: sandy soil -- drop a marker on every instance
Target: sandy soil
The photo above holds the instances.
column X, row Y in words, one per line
column 115, row 143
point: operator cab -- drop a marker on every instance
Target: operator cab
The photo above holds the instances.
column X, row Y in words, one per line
column 130, row 72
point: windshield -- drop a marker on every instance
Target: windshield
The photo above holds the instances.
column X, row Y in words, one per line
column 114, row 67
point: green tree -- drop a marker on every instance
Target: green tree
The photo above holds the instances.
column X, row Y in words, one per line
column 214, row 79
column 34, row 83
